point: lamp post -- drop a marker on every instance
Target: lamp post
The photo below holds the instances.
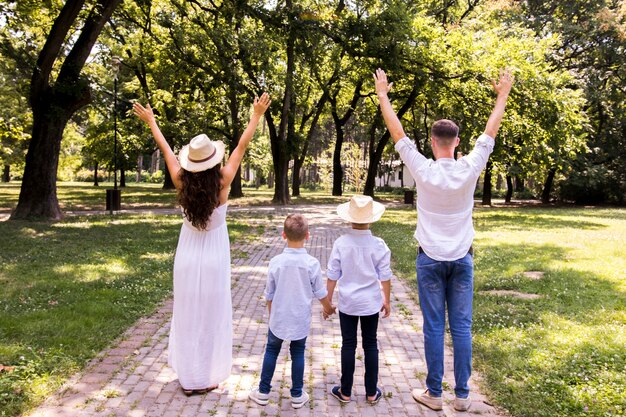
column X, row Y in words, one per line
column 114, row 196
column 115, row 62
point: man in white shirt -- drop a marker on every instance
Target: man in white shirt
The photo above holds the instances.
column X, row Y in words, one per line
column 445, row 267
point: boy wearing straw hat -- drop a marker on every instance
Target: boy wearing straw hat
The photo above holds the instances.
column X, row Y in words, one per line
column 360, row 264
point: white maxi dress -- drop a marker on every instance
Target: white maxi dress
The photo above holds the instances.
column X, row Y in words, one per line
column 200, row 342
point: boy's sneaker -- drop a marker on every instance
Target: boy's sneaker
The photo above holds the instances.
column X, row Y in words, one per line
column 298, row 402
column 259, row 397
column 462, row 404
column 424, row 397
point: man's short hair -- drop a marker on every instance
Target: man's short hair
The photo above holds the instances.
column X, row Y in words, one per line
column 296, row 227
column 444, row 131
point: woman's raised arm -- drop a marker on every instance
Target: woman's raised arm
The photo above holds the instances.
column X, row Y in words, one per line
column 234, row 160
column 146, row 114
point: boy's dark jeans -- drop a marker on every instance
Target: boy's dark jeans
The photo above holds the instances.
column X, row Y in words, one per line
column 369, row 327
column 296, row 348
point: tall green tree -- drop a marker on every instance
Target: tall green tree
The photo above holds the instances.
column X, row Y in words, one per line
column 592, row 40
column 57, row 91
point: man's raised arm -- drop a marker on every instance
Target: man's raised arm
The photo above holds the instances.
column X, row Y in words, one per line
column 391, row 119
column 502, row 89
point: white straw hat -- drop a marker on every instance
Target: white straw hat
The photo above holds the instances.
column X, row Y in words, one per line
column 361, row 209
column 201, row 154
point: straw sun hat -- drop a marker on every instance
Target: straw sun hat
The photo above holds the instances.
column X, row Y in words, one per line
column 201, row 154
column 361, row 209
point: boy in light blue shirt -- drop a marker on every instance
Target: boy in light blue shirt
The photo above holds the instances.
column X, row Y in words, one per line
column 360, row 264
column 294, row 279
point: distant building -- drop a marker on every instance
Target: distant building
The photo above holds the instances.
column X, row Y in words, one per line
column 397, row 175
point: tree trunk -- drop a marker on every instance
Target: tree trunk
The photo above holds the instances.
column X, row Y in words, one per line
column 340, row 122
column 6, row 173
column 299, row 160
column 168, row 184
column 337, row 168
column 509, row 189
column 155, row 161
column 139, row 168
column 122, row 177
column 547, row 186
column 53, row 105
column 376, row 152
column 236, row 190
column 286, row 130
column 519, row 184
column 95, row 175
column 295, row 177
column 487, row 185
column 38, row 194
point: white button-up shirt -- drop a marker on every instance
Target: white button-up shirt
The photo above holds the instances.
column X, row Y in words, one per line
column 445, row 197
column 293, row 279
column 359, row 261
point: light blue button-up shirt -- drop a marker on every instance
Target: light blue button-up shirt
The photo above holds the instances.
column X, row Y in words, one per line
column 359, row 261
column 293, row 280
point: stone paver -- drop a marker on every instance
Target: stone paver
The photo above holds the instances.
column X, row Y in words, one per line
column 132, row 377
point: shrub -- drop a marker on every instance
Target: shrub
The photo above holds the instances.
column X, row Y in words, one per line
column 86, row 175
column 587, row 186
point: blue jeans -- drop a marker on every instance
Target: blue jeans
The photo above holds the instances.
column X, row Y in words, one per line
column 369, row 327
column 452, row 283
column 296, row 348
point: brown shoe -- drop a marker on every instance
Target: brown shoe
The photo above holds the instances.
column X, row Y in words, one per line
column 462, row 404
column 424, row 397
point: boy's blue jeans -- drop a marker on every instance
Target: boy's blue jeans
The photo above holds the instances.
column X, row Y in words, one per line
column 296, row 348
column 452, row 283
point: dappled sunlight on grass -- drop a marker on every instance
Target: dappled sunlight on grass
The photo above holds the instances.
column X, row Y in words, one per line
column 83, row 196
column 560, row 360
column 70, row 287
column 155, row 256
column 91, row 272
column 567, row 347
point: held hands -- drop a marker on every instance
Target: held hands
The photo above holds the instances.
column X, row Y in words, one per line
column 380, row 80
column 327, row 313
column 503, row 86
column 261, row 104
column 144, row 113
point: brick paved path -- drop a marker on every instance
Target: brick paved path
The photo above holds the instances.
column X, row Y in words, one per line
column 132, row 378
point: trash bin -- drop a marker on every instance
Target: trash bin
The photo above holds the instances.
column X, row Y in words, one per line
column 409, row 197
column 114, row 200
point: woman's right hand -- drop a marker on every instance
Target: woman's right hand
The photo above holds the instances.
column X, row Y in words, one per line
column 144, row 113
column 261, row 104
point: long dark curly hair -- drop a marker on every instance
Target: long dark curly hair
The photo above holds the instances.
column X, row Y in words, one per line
column 199, row 195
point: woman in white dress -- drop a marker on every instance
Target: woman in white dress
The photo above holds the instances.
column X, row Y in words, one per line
column 200, row 343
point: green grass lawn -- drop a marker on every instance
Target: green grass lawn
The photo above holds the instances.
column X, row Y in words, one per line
column 78, row 196
column 69, row 288
column 562, row 353
column 75, row 196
